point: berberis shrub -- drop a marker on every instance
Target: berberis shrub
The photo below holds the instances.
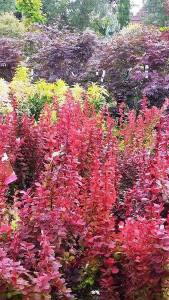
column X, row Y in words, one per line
column 84, row 204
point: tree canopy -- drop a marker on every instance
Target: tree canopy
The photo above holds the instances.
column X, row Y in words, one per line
column 157, row 12
column 78, row 13
column 123, row 12
column 7, row 6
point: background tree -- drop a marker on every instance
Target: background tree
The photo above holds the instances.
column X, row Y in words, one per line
column 80, row 14
column 7, row 6
column 157, row 12
column 55, row 8
column 167, row 7
column 105, row 26
column 123, row 12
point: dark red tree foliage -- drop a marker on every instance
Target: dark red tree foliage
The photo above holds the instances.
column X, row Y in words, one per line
column 10, row 57
column 63, row 55
column 136, row 65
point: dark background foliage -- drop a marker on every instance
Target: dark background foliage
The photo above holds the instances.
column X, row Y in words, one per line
column 66, row 56
column 10, row 57
column 135, row 65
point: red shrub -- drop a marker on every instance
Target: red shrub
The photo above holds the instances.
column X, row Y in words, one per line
column 146, row 248
column 75, row 183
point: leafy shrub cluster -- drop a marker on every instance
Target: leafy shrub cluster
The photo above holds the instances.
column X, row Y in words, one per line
column 10, row 57
column 32, row 97
column 84, row 202
column 66, row 56
column 136, row 65
column 131, row 65
column 31, row 10
column 10, row 26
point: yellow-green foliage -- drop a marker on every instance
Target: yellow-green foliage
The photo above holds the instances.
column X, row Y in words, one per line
column 22, row 74
column 78, row 92
column 33, row 96
column 131, row 29
column 43, row 89
column 60, row 90
column 135, row 30
column 21, row 87
column 32, row 10
column 164, row 29
column 97, row 95
column 15, row 219
column 10, row 26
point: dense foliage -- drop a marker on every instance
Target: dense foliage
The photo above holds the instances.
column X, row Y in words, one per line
column 84, row 58
column 32, row 97
column 66, row 56
column 11, row 27
column 136, row 65
column 80, row 14
column 84, row 154
column 157, row 13
column 131, row 65
column 31, row 10
column 83, row 200
column 10, row 57
column 124, row 12
column 7, row 6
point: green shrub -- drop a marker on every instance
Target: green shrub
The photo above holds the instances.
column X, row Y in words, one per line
column 32, row 97
column 10, row 26
column 31, row 10
column 164, row 29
